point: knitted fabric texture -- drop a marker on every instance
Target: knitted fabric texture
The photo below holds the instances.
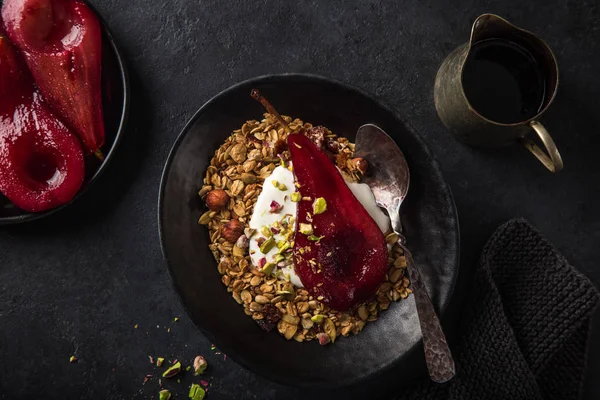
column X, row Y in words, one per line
column 526, row 322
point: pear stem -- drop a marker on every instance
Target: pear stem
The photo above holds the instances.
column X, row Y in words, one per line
column 262, row 100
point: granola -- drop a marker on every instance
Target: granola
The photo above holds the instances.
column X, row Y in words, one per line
column 238, row 169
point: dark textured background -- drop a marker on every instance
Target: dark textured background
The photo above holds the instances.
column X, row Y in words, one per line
column 78, row 282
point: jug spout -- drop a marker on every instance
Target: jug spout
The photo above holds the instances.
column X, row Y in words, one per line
column 491, row 26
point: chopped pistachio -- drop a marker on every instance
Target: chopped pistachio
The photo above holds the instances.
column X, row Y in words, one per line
column 164, row 395
column 317, row 318
column 72, row 359
column 329, row 328
column 267, row 245
column 296, row 197
column 278, row 258
column 266, row 232
column 268, row 268
column 280, row 244
column 160, row 361
column 275, row 182
column 306, row 229
column 172, row 371
column 319, row 206
column 200, row 365
column 315, row 238
column 188, row 368
column 175, row 319
column 282, row 187
column 196, row 392
column 285, row 247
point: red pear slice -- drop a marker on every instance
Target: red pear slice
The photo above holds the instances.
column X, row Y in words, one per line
column 41, row 161
column 349, row 261
column 62, row 44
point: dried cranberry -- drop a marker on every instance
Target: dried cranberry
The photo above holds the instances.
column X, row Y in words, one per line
column 271, row 315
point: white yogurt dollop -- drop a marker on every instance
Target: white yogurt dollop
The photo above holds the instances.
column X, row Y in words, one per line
column 281, row 200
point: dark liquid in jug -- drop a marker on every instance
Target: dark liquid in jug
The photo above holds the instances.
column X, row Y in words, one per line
column 503, row 82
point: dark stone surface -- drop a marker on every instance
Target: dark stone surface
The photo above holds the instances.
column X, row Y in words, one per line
column 78, row 282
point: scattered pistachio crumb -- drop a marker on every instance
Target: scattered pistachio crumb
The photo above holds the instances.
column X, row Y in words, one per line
column 176, row 319
column 268, row 268
column 200, row 365
column 135, row 326
column 266, row 232
column 285, row 247
column 164, row 395
column 196, row 392
column 160, row 361
column 306, row 229
column 296, row 197
column 315, row 238
column 267, row 245
column 319, row 206
column 188, row 368
column 73, row 359
column 172, row 370
column 317, row 318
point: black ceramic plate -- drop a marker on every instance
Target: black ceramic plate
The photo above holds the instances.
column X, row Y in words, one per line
column 115, row 101
column 428, row 215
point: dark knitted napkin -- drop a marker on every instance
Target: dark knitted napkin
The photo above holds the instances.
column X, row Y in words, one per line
column 525, row 324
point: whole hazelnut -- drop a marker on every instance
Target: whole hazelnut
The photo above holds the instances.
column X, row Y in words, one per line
column 217, row 199
column 232, row 230
column 361, row 164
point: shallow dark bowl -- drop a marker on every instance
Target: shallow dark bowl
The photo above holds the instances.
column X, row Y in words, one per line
column 428, row 214
column 115, row 100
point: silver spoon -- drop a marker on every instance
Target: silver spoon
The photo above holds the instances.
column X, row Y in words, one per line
column 388, row 177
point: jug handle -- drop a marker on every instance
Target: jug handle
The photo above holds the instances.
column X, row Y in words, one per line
column 552, row 160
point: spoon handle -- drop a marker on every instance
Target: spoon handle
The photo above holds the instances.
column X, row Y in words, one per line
column 440, row 363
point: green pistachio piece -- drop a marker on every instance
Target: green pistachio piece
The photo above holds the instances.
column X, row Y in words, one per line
column 196, row 392
column 275, row 182
column 296, row 197
column 306, row 229
column 160, row 361
column 200, row 365
column 281, row 186
column 280, row 244
column 267, row 245
column 266, row 231
column 164, row 395
column 268, row 268
column 319, row 206
column 285, row 246
column 278, row 258
column 315, row 238
column 172, row 371
column 317, row 319
column 329, row 328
